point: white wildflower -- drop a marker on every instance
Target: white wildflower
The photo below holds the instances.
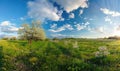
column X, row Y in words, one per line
column 106, row 53
column 103, row 48
column 97, row 54
column 102, row 51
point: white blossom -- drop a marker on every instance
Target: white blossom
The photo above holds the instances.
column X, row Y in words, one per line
column 102, row 51
column 102, row 48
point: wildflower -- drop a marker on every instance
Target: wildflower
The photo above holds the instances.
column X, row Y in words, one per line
column 102, row 51
column 97, row 54
column 103, row 48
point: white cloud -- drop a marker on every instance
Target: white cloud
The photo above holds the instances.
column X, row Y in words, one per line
column 43, row 9
column 87, row 23
column 62, row 19
column 53, row 26
column 13, row 29
column 68, row 26
column 79, row 27
column 5, row 23
column 58, row 35
column 82, row 26
column 7, row 26
column 57, row 30
column 70, row 5
column 62, row 35
column 109, row 12
column 81, row 12
column 62, row 28
column 107, row 19
column 71, row 15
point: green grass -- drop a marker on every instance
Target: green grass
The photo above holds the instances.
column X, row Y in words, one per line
column 60, row 55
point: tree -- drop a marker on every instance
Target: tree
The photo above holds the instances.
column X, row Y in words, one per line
column 32, row 31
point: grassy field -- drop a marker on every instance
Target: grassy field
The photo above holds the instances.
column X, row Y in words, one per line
column 60, row 55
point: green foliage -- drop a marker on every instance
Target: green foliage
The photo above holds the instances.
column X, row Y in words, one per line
column 1, row 59
column 17, row 55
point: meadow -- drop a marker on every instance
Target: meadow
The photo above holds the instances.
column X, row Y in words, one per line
column 60, row 55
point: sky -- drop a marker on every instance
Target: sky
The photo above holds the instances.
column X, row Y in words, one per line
column 62, row 18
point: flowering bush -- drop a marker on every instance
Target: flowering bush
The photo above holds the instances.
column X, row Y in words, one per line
column 102, row 51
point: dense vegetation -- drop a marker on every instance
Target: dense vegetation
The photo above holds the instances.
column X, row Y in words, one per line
column 60, row 55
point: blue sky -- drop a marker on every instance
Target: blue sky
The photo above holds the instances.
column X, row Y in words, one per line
column 62, row 18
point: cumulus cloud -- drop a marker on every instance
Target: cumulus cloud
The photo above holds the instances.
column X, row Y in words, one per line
column 109, row 12
column 43, row 9
column 7, row 26
column 70, row 5
column 5, row 23
column 71, row 15
column 62, row 28
column 81, row 26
